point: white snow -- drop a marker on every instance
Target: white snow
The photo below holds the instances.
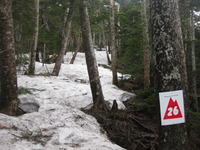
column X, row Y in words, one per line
column 59, row 123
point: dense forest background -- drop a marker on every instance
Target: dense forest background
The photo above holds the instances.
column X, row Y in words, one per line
column 128, row 26
column 129, row 30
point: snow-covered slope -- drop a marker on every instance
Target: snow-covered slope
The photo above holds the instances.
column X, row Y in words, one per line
column 59, row 124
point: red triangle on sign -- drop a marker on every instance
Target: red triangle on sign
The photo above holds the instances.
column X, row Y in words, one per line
column 173, row 111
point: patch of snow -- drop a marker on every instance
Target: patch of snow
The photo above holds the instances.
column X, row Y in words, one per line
column 59, row 124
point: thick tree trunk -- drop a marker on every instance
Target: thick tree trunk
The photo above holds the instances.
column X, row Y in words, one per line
column 168, row 45
column 95, row 84
column 36, row 32
column 8, row 77
column 112, row 43
column 65, row 41
column 146, row 44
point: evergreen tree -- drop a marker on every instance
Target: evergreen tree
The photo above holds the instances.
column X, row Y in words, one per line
column 113, row 43
column 35, row 43
column 95, row 84
column 146, row 43
column 67, row 31
column 167, row 42
column 23, row 18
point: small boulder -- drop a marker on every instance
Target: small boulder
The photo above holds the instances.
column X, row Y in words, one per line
column 29, row 107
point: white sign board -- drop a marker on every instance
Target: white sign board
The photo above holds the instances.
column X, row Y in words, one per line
column 172, row 107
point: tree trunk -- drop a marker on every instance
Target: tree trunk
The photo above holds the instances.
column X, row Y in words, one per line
column 103, row 37
column 36, row 31
column 8, row 76
column 112, row 43
column 146, row 44
column 168, row 45
column 95, row 84
column 94, row 38
column 185, row 12
column 108, row 57
column 118, row 41
column 65, row 41
column 78, row 46
column 193, row 57
column 44, row 54
column 66, row 16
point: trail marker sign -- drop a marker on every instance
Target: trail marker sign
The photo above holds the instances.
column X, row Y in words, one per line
column 172, row 107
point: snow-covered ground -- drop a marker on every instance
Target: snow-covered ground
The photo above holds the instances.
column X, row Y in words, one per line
column 59, row 124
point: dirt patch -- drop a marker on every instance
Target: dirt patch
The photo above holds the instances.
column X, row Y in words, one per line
column 136, row 127
column 132, row 128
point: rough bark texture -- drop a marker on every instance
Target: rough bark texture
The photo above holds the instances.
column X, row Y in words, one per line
column 8, row 77
column 36, row 31
column 146, row 44
column 97, row 94
column 112, row 43
column 65, row 41
column 168, row 46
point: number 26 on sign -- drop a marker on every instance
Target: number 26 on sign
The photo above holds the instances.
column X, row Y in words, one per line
column 172, row 111
column 171, row 107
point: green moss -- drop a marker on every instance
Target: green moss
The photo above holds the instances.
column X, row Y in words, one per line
column 22, row 90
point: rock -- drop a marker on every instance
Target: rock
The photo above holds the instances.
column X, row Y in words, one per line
column 29, row 107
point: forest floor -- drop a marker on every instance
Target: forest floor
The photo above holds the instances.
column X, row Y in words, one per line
column 59, row 123
column 132, row 128
column 135, row 128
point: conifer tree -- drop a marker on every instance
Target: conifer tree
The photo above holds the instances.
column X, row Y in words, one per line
column 95, row 84
column 169, row 73
column 35, row 41
column 113, row 43
column 146, row 43
column 65, row 41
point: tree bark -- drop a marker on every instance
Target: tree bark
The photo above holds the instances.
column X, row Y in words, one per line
column 36, row 32
column 168, row 47
column 193, row 60
column 44, row 54
column 95, row 84
column 108, row 57
column 65, row 41
column 112, row 43
column 185, row 14
column 146, row 44
column 189, row 36
column 8, row 76
column 78, row 46
column 94, row 38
